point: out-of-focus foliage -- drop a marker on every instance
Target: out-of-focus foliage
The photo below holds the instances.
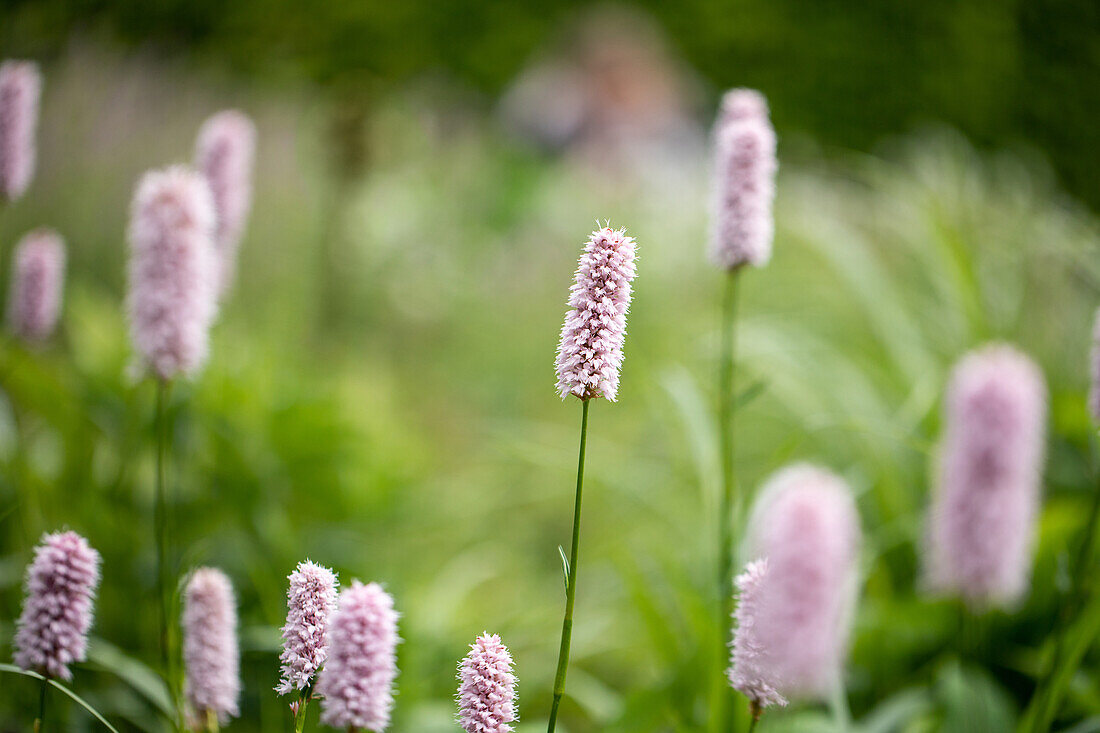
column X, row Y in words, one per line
column 391, row 412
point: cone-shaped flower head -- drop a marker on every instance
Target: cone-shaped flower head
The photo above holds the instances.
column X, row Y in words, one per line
column 1094, row 386
column 20, row 87
column 34, row 301
column 989, row 478
column 172, row 271
column 224, row 153
column 751, row 669
column 806, row 525
column 744, row 187
column 357, row 680
column 487, row 687
column 591, row 349
column 310, row 601
column 60, row 588
column 210, row 656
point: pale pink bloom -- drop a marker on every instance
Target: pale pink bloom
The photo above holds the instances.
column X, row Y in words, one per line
column 590, row 352
column 357, row 681
column 34, row 302
column 172, row 297
column 806, row 524
column 60, row 588
column 752, row 671
column 989, row 481
column 487, row 688
column 224, row 153
column 745, row 165
column 20, row 88
column 310, row 601
column 210, row 656
column 1094, row 386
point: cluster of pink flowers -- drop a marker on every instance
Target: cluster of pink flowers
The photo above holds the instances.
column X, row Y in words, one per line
column 60, row 589
column 34, row 301
column 590, row 353
column 20, row 88
column 751, row 669
column 210, row 656
column 487, row 687
column 310, row 601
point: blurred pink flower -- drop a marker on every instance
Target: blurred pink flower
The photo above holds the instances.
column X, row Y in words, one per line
column 356, row 683
column 745, row 165
column 57, row 613
column 20, row 88
column 210, row 656
column 989, row 478
column 310, row 600
column 487, row 687
column 806, row 525
column 172, row 271
column 34, row 302
column 751, row 669
column 590, row 353
column 224, row 153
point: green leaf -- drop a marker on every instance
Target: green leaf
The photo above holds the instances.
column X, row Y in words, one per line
column 134, row 673
column 54, row 683
column 564, row 567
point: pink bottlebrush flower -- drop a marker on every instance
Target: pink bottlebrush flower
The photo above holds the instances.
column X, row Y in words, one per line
column 210, row 656
column 310, row 601
column 356, row 683
column 751, row 670
column 989, row 478
column 20, row 88
column 172, row 297
column 745, row 166
column 57, row 613
column 591, row 349
column 1094, row 387
column 806, row 524
column 224, row 153
column 487, row 687
column 34, row 302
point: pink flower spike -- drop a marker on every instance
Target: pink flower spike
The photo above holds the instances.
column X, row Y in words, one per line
column 751, row 671
column 356, row 683
column 20, row 88
column 806, row 525
column 210, row 655
column 981, row 522
column 60, row 587
column 487, row 687
column 745, row 165
column 34, row 302
column 172, row 271
column 310, row 601
column 590, row 352
column 224, row 154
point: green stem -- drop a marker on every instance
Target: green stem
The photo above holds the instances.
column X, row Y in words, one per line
column 1047, row 697
column 752, row 725
column 728, row 510
column 300, row 716
column 165, row 588
column 571, row 585
column 41, row 719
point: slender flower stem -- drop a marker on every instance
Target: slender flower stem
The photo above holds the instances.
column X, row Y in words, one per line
column 729, row 508
column 1047, row 696
column 571, row 584
column 752, row 725
column 166, row 635
column 300, row 716
column 40, row 720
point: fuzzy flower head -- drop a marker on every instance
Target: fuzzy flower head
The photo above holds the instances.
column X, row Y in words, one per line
column 210, row 656
column 172, row 271
column 590, row 352
column 34, row 302
column 805, row 523
column 357, row 680
column 751, row 669
column 310, row 601
column 57, row 613
column 744, row 188
column 20, row 87
column 487, row 687
column 989, row 478
column 224, row 153
column 1094, row 386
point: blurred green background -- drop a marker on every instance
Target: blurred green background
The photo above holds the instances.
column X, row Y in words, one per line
column 380, row 394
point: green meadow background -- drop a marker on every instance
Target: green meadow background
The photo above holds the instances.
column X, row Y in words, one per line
column 380, row 392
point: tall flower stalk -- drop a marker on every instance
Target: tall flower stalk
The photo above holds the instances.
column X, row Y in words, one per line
column 744, row 187
column 590, row 355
